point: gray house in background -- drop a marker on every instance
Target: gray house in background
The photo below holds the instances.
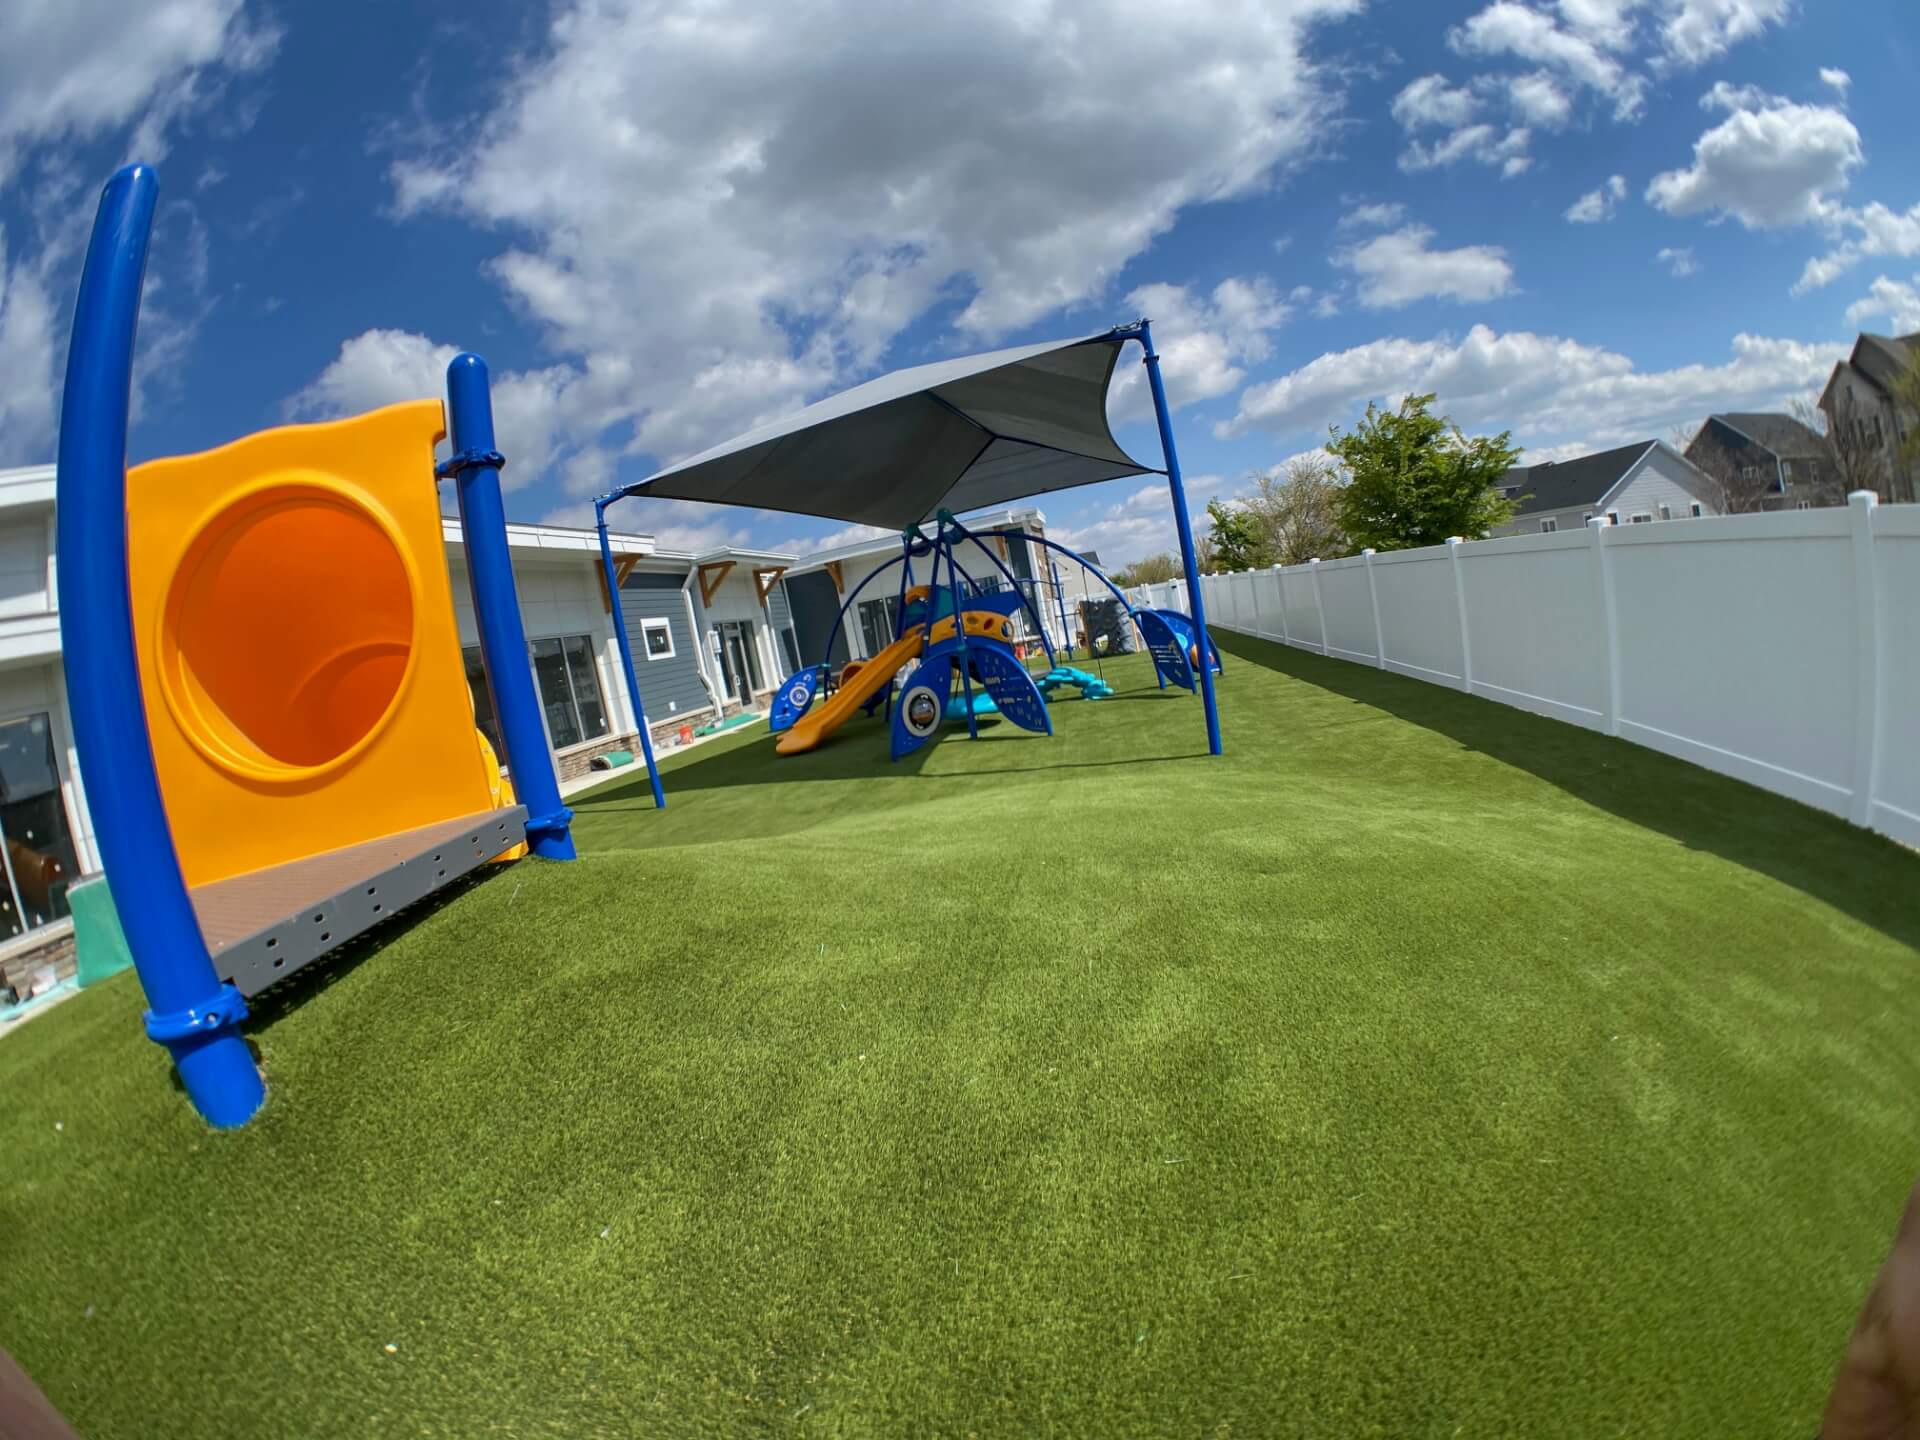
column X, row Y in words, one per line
column 1632, row 485
column 1772, row 451
column 1859, row 403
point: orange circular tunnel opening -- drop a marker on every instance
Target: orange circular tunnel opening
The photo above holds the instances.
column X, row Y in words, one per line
column 288, row 630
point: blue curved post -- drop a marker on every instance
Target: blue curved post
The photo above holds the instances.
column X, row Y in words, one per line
column 1096, row 572
column 626, row 653
column 1026, row 600
column 475, row 468
column 192, row 1013
column 839, row 621
column 1184, row 523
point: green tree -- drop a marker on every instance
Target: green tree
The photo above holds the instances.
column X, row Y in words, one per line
column 1298, row 508
column 1415, row 479
column 1153, row 570
column 1235, row 537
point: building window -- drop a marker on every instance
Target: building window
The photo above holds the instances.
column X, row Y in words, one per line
column 1642, row 518
column 40, row 859
column 657, row 636
column 1696, row 510
column 483, row 717
column 569, row 684
column 569, row 689
column 1666, row 512
column 1749, row 472
column 879, row 620
column 1804, row 505
column 1613, row 517
column 1549, row 525
column 1586, row 517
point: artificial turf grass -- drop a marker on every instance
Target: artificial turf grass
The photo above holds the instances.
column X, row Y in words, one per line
column 1417, row 1067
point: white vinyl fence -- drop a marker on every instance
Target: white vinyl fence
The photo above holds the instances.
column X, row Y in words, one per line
column 1782, row 649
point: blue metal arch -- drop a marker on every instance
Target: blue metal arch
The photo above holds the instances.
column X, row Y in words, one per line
column 193, row 1014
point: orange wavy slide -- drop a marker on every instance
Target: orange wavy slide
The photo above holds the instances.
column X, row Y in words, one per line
column 866, row 682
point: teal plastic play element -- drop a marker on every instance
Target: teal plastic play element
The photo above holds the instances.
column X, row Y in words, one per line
column 100, row 947
column 983, row 707
column 1091, row 687
column 745, row 718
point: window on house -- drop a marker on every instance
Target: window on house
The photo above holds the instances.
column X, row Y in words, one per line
column 1749, row 472
column 569, row 684
column 1878, row 434
column 569, row 689
column 1613, row 517
column 1586, row 518
column 877, row 622
column 657, row 638
column 40, row 858
column 1696, row 510
column 483, row 717
column 1640, row 518
column 1549, row 525
column 1804, row 505
column 1666, row 512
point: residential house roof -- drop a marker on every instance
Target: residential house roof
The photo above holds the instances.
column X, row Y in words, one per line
column 1877, row 358
column 1569, row 484
column 1786, row 437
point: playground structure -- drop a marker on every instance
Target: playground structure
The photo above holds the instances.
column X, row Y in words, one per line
column 920, row 445
column 270, row 775
column 980, row 649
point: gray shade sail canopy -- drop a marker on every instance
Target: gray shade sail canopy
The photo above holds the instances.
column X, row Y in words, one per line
column 957, row 435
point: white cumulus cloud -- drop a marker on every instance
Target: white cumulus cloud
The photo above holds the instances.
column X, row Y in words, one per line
column 1539, row 386
column 1872, row 229
column 1205, row 341
column 1400, row 267
column 1680, row 261
column 1771, row 162
column 74, row 71
column 1432, row 103
column 384, row 367
column 1895, row 302
column 738, row 207
column 1597, row 205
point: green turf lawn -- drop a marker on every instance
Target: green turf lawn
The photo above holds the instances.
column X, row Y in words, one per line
column 1421, row 1068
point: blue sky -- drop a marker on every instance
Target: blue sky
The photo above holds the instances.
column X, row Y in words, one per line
column 1587, row 221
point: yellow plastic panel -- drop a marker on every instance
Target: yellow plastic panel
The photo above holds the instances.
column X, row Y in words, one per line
column 299, row 656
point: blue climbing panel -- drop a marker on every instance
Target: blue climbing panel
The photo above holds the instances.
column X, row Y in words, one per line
column 795, row 695
column 1168, row 648
column 1011, row 687
column 921, row 706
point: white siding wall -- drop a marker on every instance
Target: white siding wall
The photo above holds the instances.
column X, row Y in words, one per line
column 558, row 596
column 1778, row 648
column 1657, row 480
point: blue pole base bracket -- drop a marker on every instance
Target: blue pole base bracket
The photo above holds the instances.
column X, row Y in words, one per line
column 215, row 1063
column 549, row 837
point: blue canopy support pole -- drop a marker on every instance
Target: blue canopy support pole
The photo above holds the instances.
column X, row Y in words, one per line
column 475, row 468
column 1060, row 599
column 1190, row 564
column 626, row 653
column 192, row 1013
